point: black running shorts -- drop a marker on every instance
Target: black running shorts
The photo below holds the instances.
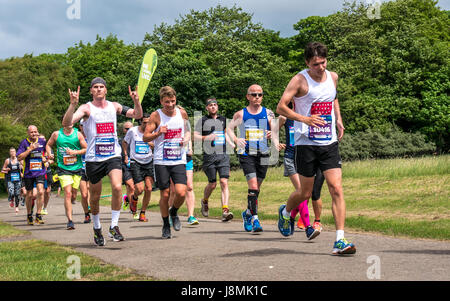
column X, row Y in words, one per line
column 216, row 163
column 163, row 174
column 141, row 171
column 310, row 157
column 254, row 166
column 29, row 182
column 96, row 171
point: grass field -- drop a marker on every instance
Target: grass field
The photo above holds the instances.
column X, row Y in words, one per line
column 36, row 260
column 399, row 197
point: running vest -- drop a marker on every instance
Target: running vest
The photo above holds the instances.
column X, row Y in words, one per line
column 65, row 161
column 289, row 152
column 13, row 174
column 139, row 151
column 318, row 101
column 101, row 136
column 253, row 129
column 168, row 150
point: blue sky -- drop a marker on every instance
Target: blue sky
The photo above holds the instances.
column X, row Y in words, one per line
column 48, row 26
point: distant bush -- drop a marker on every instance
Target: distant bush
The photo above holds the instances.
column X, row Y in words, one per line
column 390, row 144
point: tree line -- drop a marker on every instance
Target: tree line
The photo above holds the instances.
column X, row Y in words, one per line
column 393, row 72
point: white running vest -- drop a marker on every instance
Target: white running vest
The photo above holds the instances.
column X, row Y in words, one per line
column 167, row 150
column 318, row 101
column 101, row 135
column 140, row 151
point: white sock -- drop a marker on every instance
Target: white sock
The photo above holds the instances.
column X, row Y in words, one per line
column 115, row 218
column 249, row 212
column 339, row 234
column 96, row 219
column 285, row 213
column 254, row 217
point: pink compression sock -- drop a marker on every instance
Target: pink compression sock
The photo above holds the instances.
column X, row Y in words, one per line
column 304, row 212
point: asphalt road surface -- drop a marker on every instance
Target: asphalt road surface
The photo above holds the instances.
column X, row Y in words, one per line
column 217, row 251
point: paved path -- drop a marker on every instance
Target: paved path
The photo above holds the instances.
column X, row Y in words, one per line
column 217, row 251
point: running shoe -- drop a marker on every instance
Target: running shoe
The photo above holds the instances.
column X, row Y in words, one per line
column 73, row 202
column 135, row 216
column 284, row 224
column 39, row 220
column 30, row 220
column 115, row 234
column 247, row 221
column 293, row 225
column 166, row 232
column 70, row 225
column 311, row 233
column 98, row 237
column 192, row 221
column 317, row 226
column 300, row 224
column 256, row 226
column 205, row 208
column 175, row 221
column 227, row 215
column 142, row 217
column 342, row 247
column 125, row 203
column 11, row 203
column 17, row 210
column 87, row 218
column 133, row 206
column 44, row 211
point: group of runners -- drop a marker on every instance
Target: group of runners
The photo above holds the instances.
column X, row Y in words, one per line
column 158, row 151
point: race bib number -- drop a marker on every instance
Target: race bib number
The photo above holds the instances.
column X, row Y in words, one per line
column 254, row 135
column 36, row 164
column 324, row 132
column 104, row 147
column 69, row 159
column 172, row 151
column 15, row 177
column 220, row 138
column 142, row 148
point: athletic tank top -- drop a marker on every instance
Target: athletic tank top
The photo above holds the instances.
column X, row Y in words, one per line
column 167, row 150
column 101, row 135
column 140, row 151
column 289, row 152
column 13, row 174
column 65, row 161
column 318, row 101
column 253, row 130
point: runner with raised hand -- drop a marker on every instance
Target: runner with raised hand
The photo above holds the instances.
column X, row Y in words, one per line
column 103, row 156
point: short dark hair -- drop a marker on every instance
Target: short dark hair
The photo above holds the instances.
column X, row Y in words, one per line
column 313, row 49
column 167, row 91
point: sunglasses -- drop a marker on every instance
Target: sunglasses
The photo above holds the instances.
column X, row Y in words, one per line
column 256, row 94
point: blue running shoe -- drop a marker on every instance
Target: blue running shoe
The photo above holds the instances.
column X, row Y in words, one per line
column 256, row 226
column 247, row 221
column 311, row 233
column 284, row 224
column 342, row 246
